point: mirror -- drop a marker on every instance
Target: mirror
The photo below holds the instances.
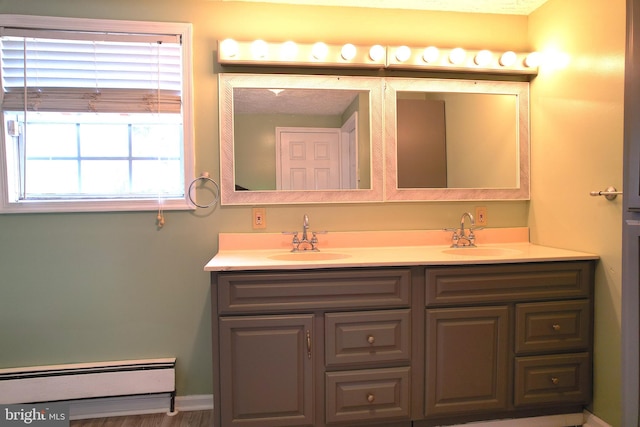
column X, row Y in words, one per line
column 456, row 139
column 268, row 122
column 300, row 139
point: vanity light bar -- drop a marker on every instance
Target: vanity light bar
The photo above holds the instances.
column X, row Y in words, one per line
column 259, row 52
column 459, row 59
column 319, row 54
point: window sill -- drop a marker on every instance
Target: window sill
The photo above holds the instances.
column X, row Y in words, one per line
column 39, row 206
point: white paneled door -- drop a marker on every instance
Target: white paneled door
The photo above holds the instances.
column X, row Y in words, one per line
column 308, row 159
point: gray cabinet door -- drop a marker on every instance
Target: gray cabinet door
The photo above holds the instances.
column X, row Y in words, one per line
column 268, row 370
column 466, row 360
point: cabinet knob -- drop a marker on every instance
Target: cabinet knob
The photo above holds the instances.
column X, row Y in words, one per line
column 371, row 397
column 371, row 339
column 555, row 327
column 555, row 380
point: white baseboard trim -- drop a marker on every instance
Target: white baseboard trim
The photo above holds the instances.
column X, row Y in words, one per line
column 196, row 402
column 591, row 420
column 563, row 420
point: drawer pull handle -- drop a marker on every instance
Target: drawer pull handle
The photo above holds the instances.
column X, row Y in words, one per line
column 308, row 344
column 555, row 380
column 371, row 339
column 371, row 397
column 555, row 327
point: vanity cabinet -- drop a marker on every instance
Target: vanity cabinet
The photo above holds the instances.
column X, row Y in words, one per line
column 508, row 338
column 313, row 348
column 401, row 346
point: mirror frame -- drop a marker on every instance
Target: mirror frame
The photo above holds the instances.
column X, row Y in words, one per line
column 228, row 194
column 517, row 88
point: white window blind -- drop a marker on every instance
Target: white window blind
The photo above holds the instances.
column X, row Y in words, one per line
column 90, row 71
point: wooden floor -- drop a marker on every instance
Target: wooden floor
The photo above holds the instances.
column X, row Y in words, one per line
column 181, row 419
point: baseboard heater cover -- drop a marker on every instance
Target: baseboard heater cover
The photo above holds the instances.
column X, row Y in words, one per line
column 88, row 381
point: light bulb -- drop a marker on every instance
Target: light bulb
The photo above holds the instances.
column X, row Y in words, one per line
column 259, row 49
column 483, row 58
column 554, row 59
column 348, row 52
column 376, row 53
column 532, row 60
column 229, row 47
column 457, row 55
column 289, row 50
column 508, row 59
column 403, row 53
column 430, row 54
column 319, row 51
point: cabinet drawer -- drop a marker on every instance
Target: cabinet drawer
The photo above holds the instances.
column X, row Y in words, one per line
column 287, row 291
column 368, row 395
column 508, row 282
column 372, row 336
column 552, row 326
column 555, row 379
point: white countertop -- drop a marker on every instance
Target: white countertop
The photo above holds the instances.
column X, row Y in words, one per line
column 249, row 251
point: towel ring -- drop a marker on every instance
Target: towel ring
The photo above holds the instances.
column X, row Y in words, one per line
column 204, row 176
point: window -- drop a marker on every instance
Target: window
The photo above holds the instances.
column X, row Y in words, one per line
column 96, row 115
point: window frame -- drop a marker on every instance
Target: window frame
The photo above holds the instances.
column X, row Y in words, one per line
column 115, row 204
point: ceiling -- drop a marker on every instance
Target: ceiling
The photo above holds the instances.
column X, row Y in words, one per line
column 292, row 101
column 510, row 7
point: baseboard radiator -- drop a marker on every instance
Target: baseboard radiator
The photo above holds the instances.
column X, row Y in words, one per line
column 79, row 381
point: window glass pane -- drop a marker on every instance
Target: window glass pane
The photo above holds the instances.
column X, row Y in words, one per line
column 156, row 140
column 104, row 140
column 51, row 140
column 120, row 154
column 157, row 177
column 51, row 177
column 105, row 177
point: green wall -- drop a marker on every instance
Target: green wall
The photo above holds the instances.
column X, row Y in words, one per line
column 577, row 139
column 108, row 286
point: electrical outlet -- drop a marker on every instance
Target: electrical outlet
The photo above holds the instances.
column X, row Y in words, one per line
column 259, row 218
column 481, row 215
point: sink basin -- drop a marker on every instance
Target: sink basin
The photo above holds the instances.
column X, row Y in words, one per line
column 308, row 256
column 476, row 251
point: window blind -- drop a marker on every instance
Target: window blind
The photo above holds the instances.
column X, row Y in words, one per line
column 90, row 72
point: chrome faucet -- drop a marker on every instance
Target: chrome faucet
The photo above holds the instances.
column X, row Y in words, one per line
column 459, row 235
column 304, row 243
column 305, row 227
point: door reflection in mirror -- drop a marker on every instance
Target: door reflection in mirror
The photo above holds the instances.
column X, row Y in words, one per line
column 457, row 140
column 326, row 144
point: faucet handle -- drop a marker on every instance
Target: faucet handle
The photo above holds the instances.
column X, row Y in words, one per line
column 314, row 239
column 472, row 229
column 295, row 241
